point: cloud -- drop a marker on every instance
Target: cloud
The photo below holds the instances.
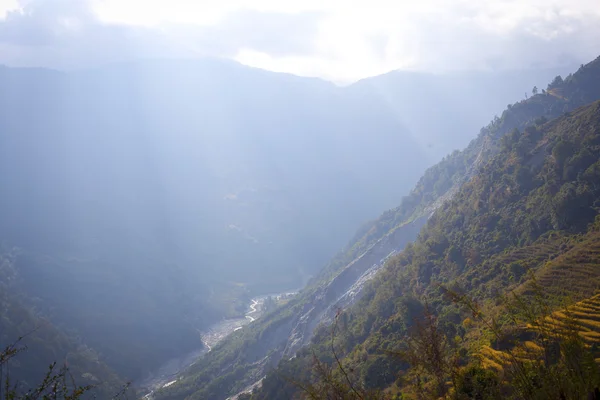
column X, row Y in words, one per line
column 278, row 34
column 65, row 33
column 327, row 38
column 68, row 34
column 439, row 36
column 486, row 40
column 44, row 22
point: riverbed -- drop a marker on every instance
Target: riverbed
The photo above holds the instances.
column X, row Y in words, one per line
column 167, row 374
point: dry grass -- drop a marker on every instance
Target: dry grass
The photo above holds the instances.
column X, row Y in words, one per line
column 583, row 316
column 575, row 273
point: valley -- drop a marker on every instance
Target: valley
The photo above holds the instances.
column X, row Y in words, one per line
column 199, row 228
column 167, row 198
column 167, row 374
column 381, row 279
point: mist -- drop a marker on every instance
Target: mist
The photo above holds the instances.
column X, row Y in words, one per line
column 167, row 181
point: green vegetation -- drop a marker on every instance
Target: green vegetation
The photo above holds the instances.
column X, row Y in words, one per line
column 54, row 385
column 58, row 383
column 441, row 180
column 529, row 208
column 517, row 200
column 542, row 355
column 43, row 344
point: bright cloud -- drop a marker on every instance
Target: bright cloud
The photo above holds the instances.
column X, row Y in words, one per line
column 333, row 39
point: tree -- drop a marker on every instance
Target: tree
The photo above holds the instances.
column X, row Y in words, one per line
column 433, row 360
column 562, row 150
column 57, row 384
column 334, row 382
column 534, row 91
column 557, row 81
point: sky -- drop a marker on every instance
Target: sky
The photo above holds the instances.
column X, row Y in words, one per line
column 337, row 40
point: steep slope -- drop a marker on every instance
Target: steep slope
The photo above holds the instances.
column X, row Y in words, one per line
column 241, row 359
column 43, row 344
column 535, row 200
column 160, row 199
column 164, row 193
column 244, row 356
column 467, row 104
column 582, row 317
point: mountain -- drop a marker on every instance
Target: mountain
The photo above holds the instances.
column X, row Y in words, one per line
column 38, row 344
column 527, row 217
column 377, row 250
column 150, row 199
column 466, row 100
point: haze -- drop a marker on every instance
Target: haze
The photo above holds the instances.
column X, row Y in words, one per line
column 191, row 188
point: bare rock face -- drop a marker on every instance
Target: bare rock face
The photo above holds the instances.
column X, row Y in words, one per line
column 346, row 287
column 341, row 292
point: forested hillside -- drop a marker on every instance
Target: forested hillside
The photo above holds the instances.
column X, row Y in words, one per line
column 147, row 200
column 241, row 359
column 37, row 344
column 325, row 200
column 525, row 221
column 152, row 198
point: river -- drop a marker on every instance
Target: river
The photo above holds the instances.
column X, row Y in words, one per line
column 167, row 374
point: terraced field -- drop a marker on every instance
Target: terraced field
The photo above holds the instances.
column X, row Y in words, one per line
column 575, row 273
column 582, row 317
column 510, row 269
column 586, row 315
column 497, row 359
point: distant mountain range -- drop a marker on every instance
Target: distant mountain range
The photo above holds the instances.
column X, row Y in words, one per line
column 522, row 198
column 142, row 201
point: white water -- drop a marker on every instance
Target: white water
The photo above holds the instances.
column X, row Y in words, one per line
column 252, row 311
column 210, row 337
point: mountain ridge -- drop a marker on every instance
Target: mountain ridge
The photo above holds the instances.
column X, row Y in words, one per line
column 176, row 199
column 424, row 199
column 480, row 233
